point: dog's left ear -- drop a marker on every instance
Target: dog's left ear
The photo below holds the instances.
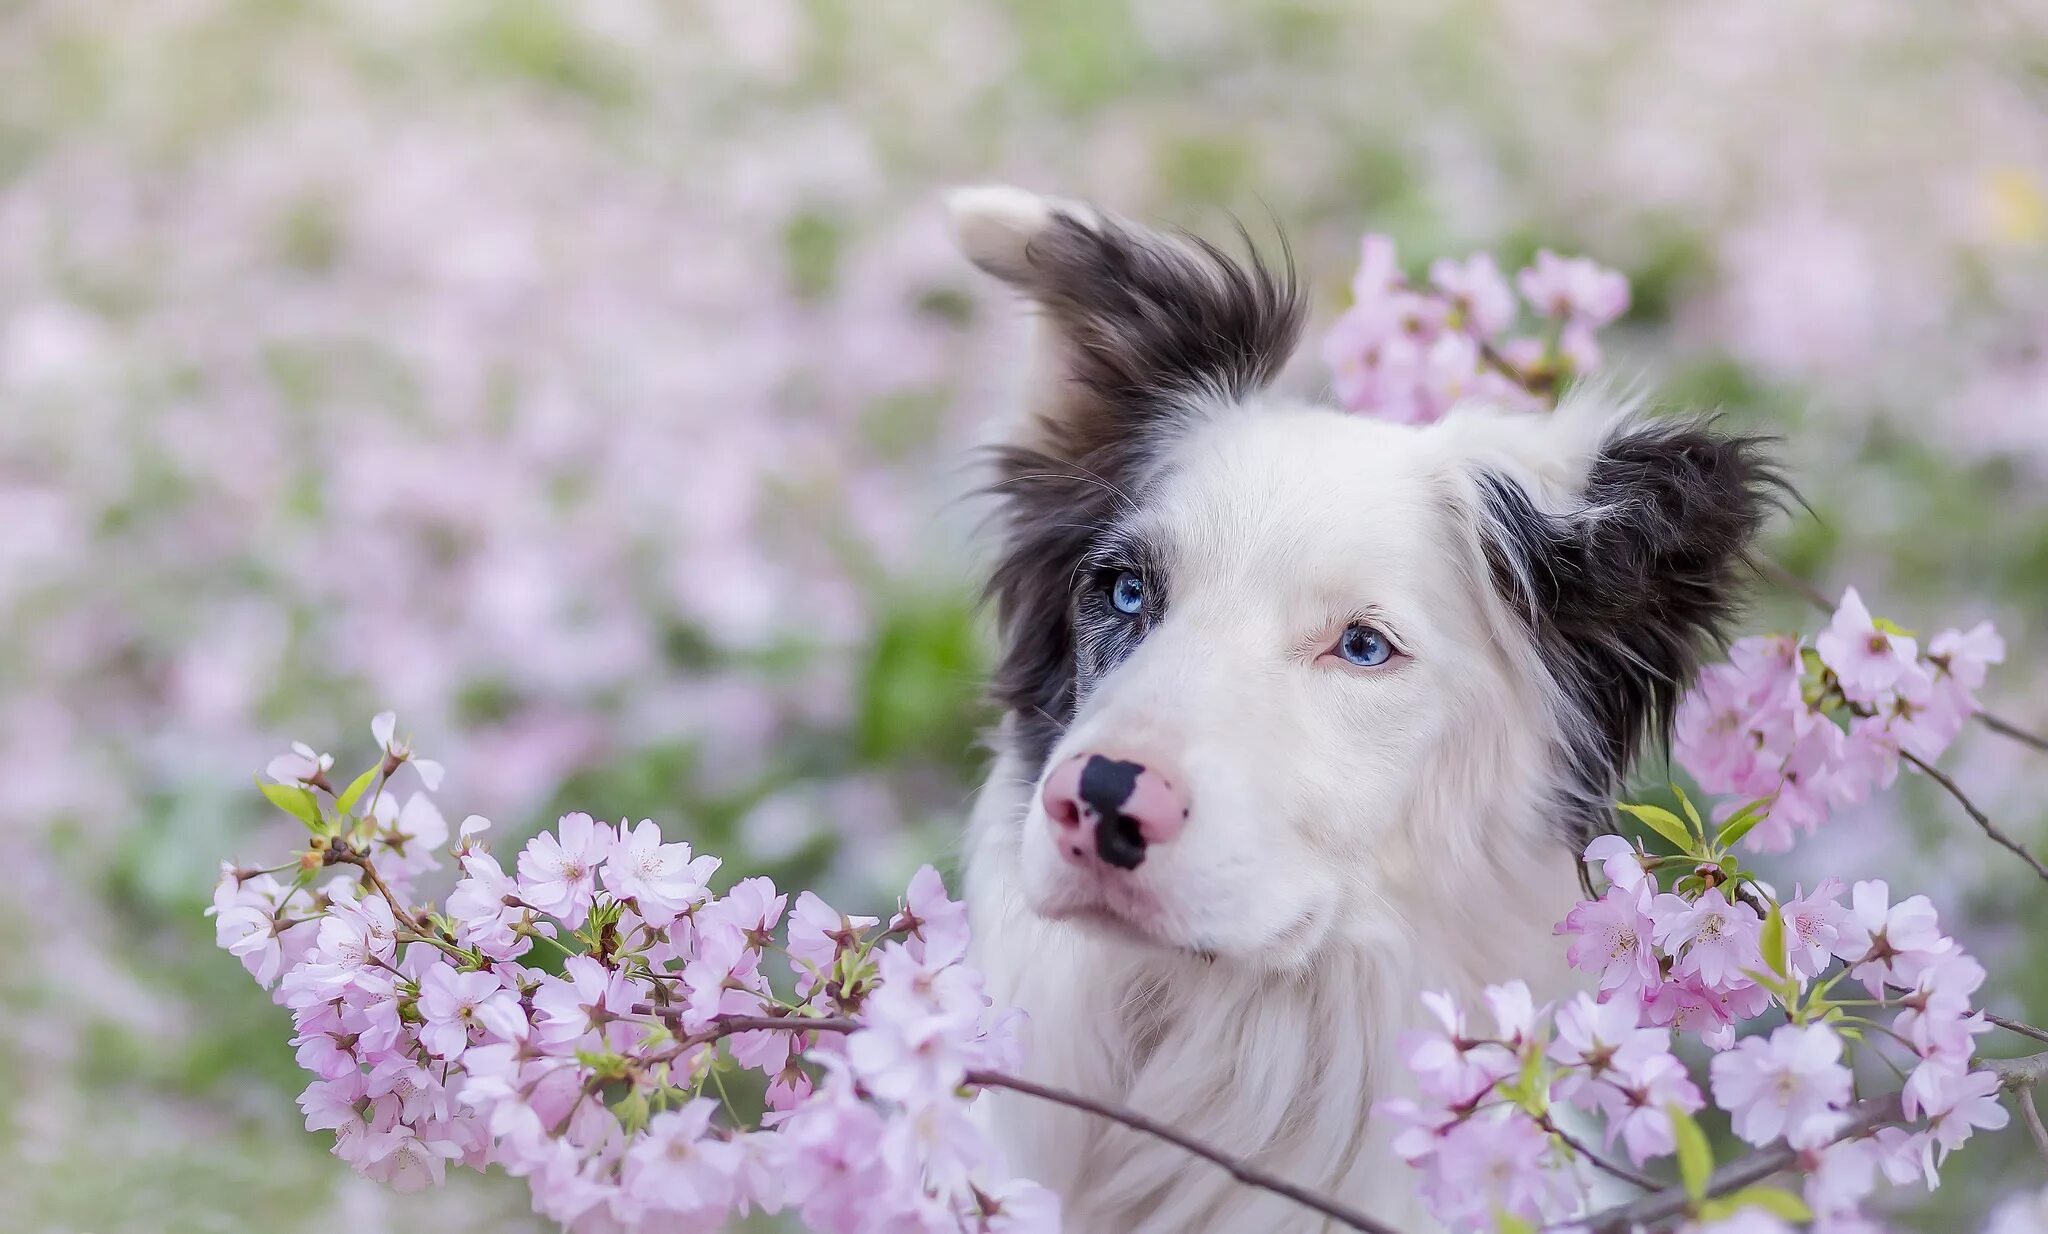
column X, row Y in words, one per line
column 1626, row 574
column 1140, row 332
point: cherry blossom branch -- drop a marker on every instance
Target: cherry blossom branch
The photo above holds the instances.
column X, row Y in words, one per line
column 2023, row 1097
column 1243, row 1172
column 1864, row 1116
column 339, row 854
column 1990, row 828
column 1819, row 599
column 2006, row 728
column 1249, row 1175
column 2015, row 1026
column 2014, row 1074
column 1542, row 387
column 1598, row 1162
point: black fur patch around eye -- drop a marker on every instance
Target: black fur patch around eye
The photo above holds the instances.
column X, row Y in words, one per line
column 1149, row 326
column 1625, row 593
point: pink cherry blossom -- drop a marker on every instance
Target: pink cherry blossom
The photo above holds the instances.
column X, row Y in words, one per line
column 1494, row 1163
column 453, row 1005
column 681, row 1165
column 1618, row 860
column 1638, row 1098
column 1485, row 303
column 1614, row 937
column 489, row 912
column 936, row 925
column 1575, row 288
column 397, row 750
column 1812, row 924
column 1449, row 1064
column 1688, row 1004
column 1719, row 938
column 587, row 999
column 817, row 932
column 1866, row 660
column 300, row 765
column 1792, row 1084
column 558, row 869
column 1844, row 1177
column 1889, row 943
column 662, row 880
column 1956, row 1105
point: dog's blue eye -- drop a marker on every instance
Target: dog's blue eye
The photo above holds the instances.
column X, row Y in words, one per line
column 1364, row 646
column 1127, row 593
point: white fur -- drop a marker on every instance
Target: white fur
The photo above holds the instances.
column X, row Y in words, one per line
column 1357, row 837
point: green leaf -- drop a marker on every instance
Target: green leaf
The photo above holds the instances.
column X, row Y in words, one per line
column 1773, row 941
column 1786, row 991
column 1692, row 816
column 1891, row 627
column 1661, row 821
column 1774, row 1200
column 295, row 801
column 1695, row 1155
column 1742, row 822
column 354, row 792
column 1507, row 1223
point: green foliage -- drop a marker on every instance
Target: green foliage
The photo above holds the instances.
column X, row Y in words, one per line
column 1695, row 1155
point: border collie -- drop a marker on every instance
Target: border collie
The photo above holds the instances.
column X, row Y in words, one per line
column 1305, row 714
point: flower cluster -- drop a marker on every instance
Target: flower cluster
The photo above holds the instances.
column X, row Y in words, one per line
column 1805, row 729
column 1408, row 352
column 1718, row 950
column 577, row 1021
column 1715, row 950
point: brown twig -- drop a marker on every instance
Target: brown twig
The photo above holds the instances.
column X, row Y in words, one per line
column 2006, row 728
column 1243, row 1172
column 2023, row 1097
column 1615, row 1168
column 1990, row 828
column 2015, row 1026
column 341, row 855
column 1542, row 386
column 1743, row 1172
column 1864, row 1117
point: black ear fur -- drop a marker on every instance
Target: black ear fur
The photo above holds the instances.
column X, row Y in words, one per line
column 1144, row 326
column 1624, row 593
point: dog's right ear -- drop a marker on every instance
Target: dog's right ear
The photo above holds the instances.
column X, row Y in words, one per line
column 1139, row 331
column 1138, row 326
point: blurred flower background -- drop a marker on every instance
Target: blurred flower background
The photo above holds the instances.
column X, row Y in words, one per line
column 593, row 383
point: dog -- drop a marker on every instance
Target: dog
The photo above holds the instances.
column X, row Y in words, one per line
column 1304, row 714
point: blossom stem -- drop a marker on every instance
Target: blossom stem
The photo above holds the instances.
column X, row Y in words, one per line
column 2016, row 1026
column 1615, row 1168
column 1242, row 1171
column 2006, row 728
column 1543, row 388
column 2023, row 1097
column 1970, row 807
column 349, row 857
column 1864, row 1117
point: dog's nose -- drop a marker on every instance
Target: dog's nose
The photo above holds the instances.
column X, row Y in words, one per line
column 1111, row 808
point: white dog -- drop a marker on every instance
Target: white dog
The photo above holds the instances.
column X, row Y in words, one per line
column 1306, row 714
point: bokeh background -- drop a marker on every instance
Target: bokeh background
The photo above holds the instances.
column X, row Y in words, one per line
column 593, row 383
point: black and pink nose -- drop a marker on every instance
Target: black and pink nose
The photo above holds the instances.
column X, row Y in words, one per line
column 1111, row 809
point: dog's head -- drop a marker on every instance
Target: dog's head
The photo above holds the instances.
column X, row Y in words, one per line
column 1274, row 667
